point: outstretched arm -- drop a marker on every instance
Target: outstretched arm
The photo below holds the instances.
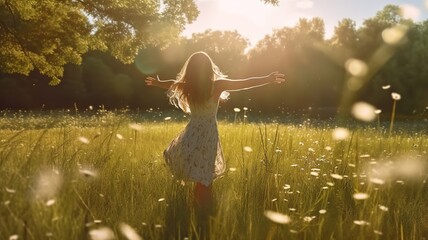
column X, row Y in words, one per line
column 165, row 84
column 248, row 83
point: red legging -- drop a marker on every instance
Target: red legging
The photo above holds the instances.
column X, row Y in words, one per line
column 203, row 194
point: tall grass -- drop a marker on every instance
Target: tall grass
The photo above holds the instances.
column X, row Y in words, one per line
column 61, row 177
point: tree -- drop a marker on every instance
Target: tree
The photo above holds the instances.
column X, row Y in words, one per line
column 45, row 35
column 227, row 48
column 345, row 36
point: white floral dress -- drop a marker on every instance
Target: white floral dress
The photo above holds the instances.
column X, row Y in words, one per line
column 196, row 154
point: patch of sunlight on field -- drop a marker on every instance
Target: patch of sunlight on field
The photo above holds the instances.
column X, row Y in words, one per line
column 74, row 177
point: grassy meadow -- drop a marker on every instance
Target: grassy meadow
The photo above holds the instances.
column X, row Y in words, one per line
column 70, row 176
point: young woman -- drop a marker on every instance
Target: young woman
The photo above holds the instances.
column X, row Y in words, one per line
column 196, row 154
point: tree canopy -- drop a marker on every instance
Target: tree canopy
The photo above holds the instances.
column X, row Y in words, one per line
column 315, row 67
column 47, row 34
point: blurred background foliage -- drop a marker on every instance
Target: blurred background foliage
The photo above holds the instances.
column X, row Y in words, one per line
column 101, row 56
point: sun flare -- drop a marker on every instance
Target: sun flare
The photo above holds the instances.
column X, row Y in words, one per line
column 254, row 11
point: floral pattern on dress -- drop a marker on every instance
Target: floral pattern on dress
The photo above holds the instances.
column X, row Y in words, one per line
column 196, row 153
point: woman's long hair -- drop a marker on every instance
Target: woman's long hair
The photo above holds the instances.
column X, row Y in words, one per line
column 194, row 82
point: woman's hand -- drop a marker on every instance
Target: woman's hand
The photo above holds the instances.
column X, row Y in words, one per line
column 156, row 82
column 277, row 77
column 151, row 81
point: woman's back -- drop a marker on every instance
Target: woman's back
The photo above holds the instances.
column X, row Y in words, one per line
column 205, row 110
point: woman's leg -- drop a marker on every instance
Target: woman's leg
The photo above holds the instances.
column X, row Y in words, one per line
column 203, row 195
column 204, row 208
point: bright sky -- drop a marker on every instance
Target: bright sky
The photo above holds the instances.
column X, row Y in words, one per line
column 253, row 19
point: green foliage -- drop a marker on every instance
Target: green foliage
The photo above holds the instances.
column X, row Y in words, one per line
column 45, row 35
column 273, row 2
column 116, row 174
column 227, row 48
column 345, row 35
column 317, row 80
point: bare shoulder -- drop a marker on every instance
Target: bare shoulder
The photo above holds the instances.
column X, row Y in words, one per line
column 219, row 86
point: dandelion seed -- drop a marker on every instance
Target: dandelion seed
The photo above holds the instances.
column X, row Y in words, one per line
column 275, row 199
column 408, row 11
column 360, row 196
column 294, row 165
column 89, row 224
column 292, row 209
column 245, row 108
column 135, row 126
column 340, row 134
column 315, row 174
column 87, row 173
column 119, row 136
column 363, row 111
column 248, row 149
column 361, row 222
column 308, row 218
column 311, row 150
column 293, row 231
column 377, row 111
column 102, row 233
column 324, row 188
column 286, row 187
column 356, row 67
column 395, row 96
column 48, row 184
column 50, row 202
column 90, row 107
column 400, row 182
column 10, row 190
column 277, row 217
column 409, row 167
column 129, row 232
column 328, row 148
column 394, row 35
column 161, row 199
column 336, row 176
column 14, row 237
column 378, row 232
column 237, row 110
column 278, row 150
column 386, row 87
column 377, row 181
column 330, row 184
column 83, row 140
column 158, row 226
column 224, row 95
column 383, row 208
column 322, row 211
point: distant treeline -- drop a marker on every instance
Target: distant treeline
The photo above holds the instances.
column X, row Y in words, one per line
column 314, row 66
